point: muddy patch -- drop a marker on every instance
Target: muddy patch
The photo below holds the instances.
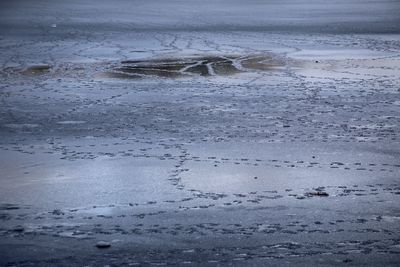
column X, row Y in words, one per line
column 37, row 69
column 193, row 66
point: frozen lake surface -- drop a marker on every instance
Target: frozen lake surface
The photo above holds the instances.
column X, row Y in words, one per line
column 204, row 133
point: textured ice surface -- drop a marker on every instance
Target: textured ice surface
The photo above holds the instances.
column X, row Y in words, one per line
column 249, row 133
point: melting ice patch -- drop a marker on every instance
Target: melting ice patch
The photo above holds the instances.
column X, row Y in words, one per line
column 212, row 65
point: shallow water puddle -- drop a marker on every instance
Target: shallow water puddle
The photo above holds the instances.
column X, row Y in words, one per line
column 194, row 66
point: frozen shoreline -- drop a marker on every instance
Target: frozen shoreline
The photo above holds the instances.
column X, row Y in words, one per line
column 233, row 163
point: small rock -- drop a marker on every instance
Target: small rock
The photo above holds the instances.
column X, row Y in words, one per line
column 103, row 244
